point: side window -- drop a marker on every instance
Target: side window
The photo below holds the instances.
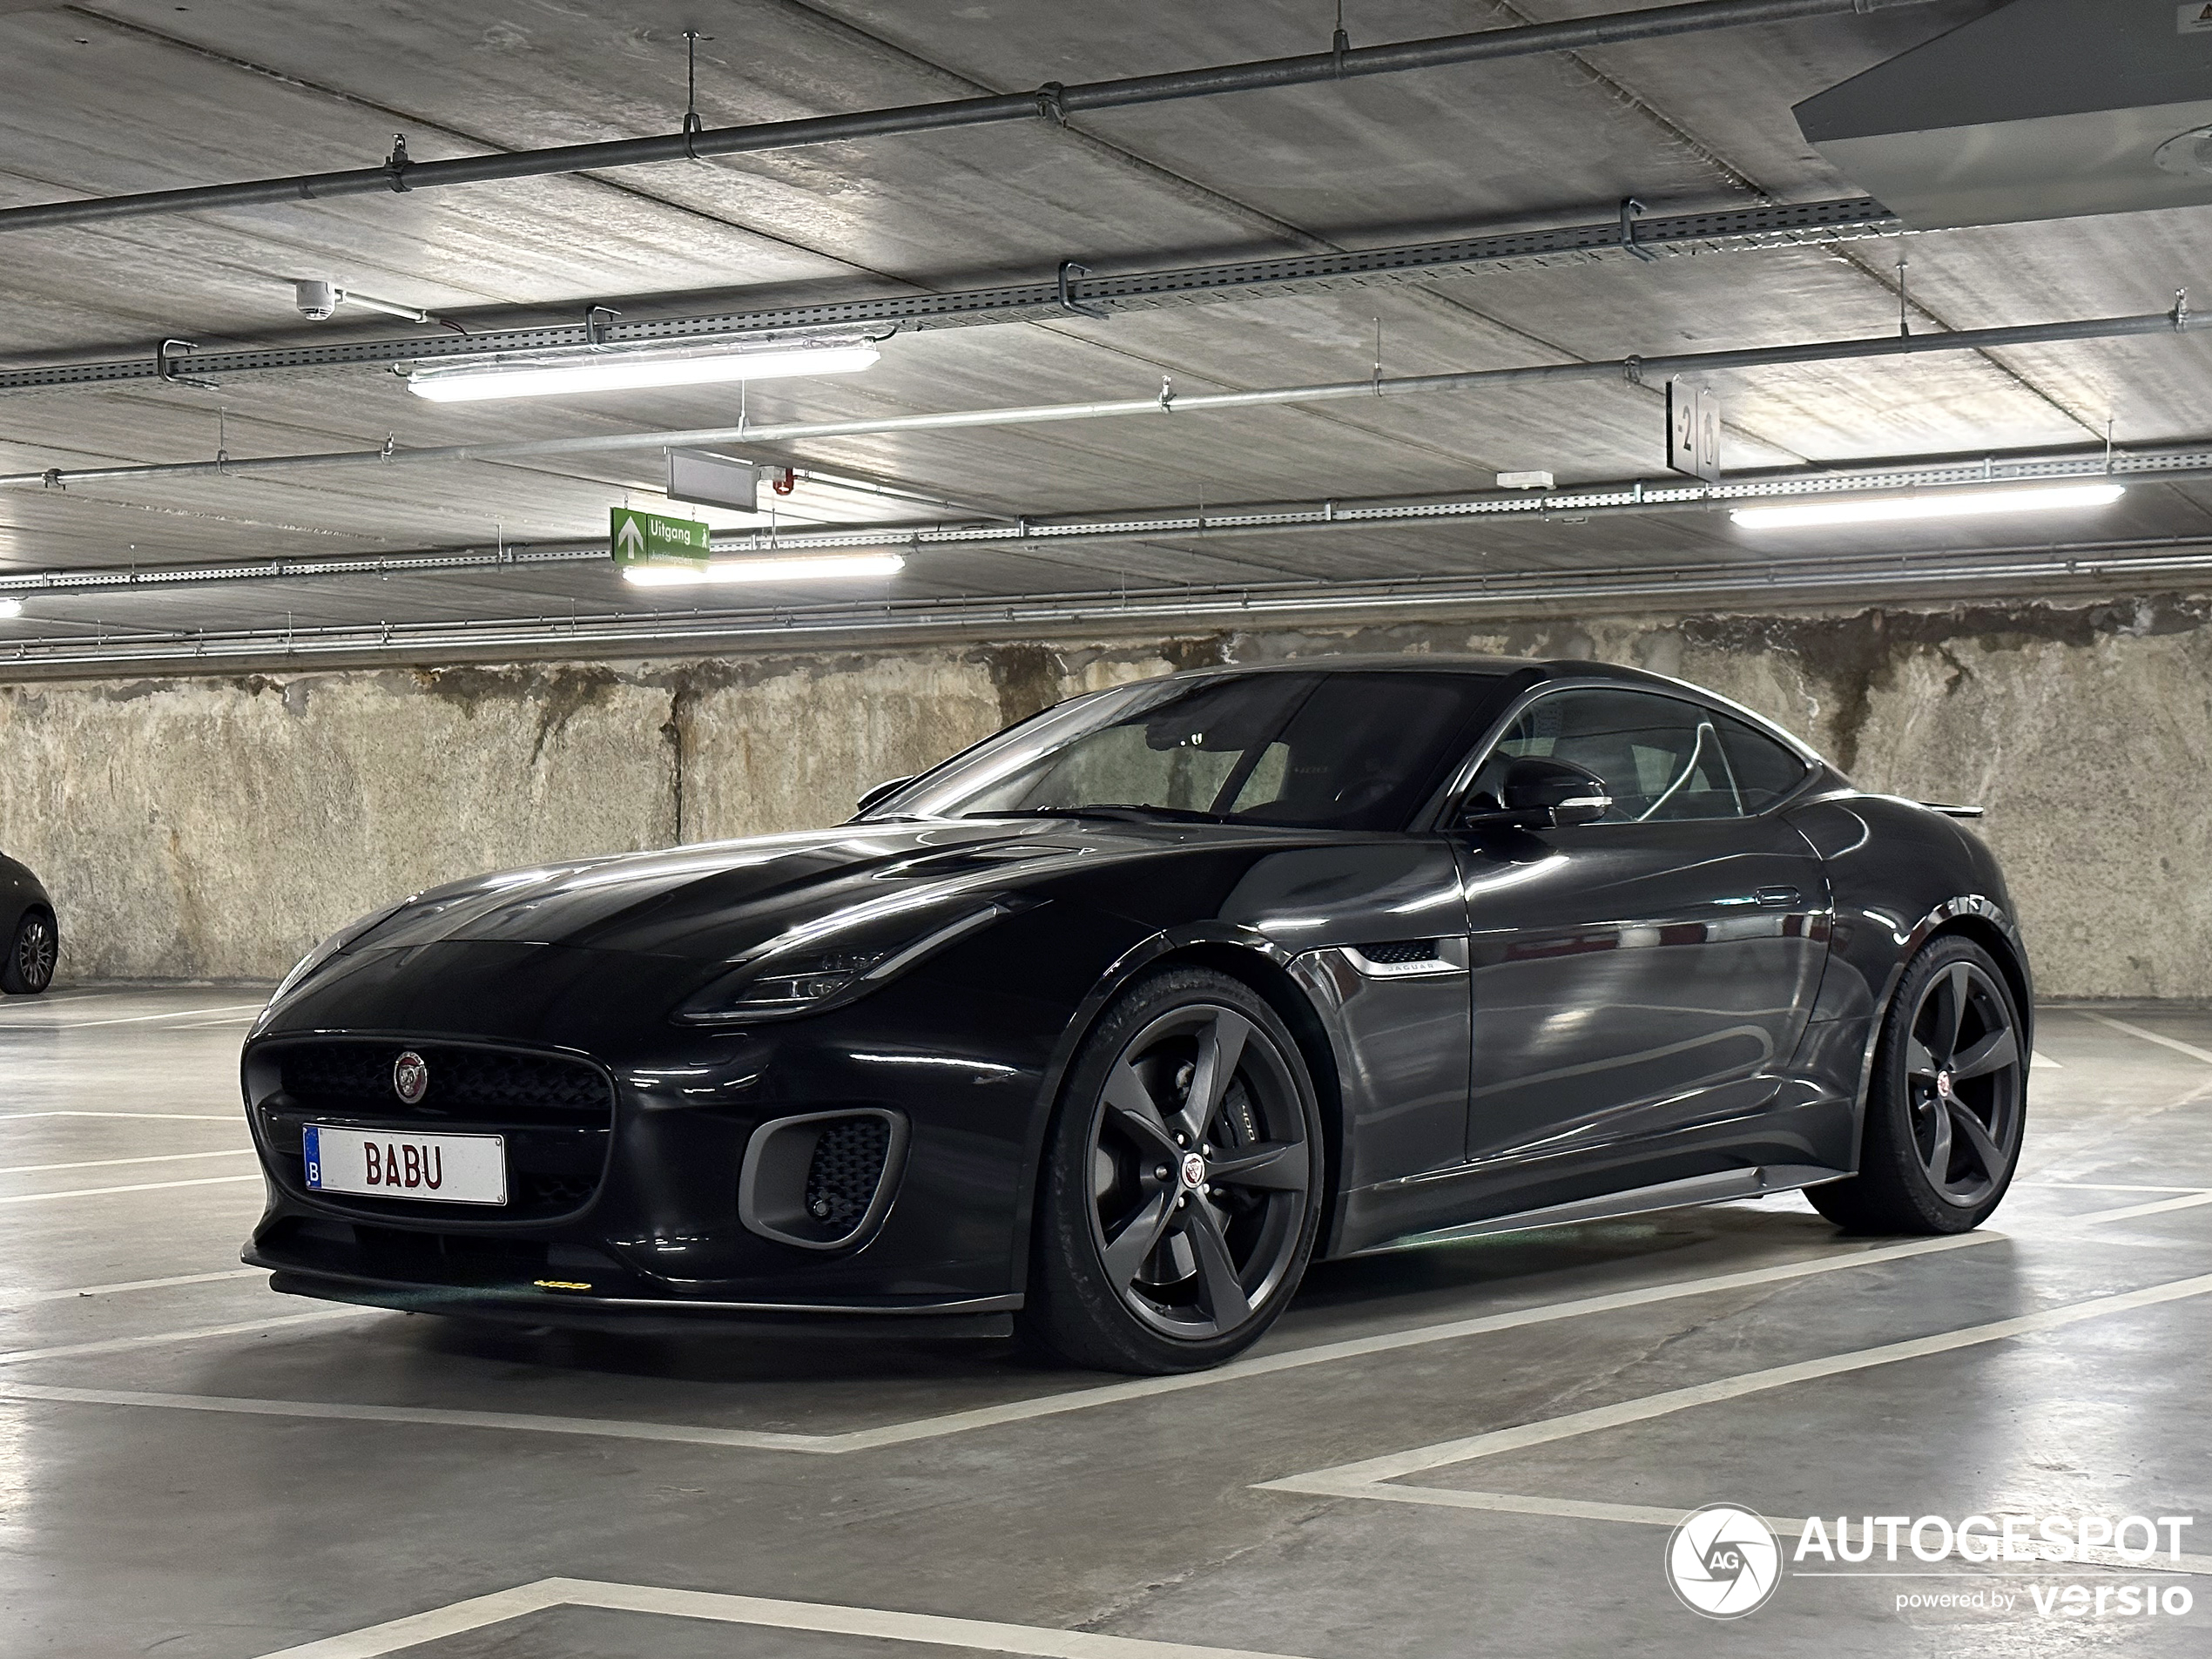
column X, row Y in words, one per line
column 1662, row 759
column 1765, row 771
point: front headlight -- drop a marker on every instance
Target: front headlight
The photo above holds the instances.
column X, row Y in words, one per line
column 800, row 976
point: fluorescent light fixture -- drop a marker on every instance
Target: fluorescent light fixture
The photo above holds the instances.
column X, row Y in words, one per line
column 791, row 568
column 618, row 368
column 10, row 607
column 1950, row 503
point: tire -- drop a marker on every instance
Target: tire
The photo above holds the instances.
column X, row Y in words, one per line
column 1948, row 1102
column 28, row 968
column 1179, row 1196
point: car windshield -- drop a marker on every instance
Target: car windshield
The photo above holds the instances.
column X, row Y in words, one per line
column 1350, row 749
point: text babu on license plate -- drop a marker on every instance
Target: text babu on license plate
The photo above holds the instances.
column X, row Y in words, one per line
column 436, row 1169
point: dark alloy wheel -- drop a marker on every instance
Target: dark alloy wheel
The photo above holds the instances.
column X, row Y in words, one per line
column 28, row 967
column 1180, row 1197
column 1948, row 1103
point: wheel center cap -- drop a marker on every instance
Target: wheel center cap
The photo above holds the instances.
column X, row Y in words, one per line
column 1945, row 1087
column 1194, row 1170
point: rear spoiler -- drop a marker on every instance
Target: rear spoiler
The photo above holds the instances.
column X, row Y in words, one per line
column 1952, row 812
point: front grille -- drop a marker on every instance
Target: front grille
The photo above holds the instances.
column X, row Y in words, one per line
column 846, row 1167
column 555, row 1115
column 483, row 1085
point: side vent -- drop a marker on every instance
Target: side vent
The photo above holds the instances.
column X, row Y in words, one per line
column 1409, row 958
column 822, row 1181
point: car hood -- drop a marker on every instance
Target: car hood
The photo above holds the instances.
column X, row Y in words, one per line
column 715, row 901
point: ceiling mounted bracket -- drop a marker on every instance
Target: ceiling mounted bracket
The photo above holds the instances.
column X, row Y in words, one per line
column 168, row 376
column 692, row 125
column 591, row 335
column 1341, row 42
column 1630, row 207
column 1167, row 393
column 1632, row 370
column 2181, row 312
column 1052, row 102
column 1068, row 300
column 398, row 162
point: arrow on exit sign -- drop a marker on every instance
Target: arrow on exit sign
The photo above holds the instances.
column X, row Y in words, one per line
column 643, row 538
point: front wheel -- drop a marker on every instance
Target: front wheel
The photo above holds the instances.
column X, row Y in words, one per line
column 1182, row 1181
column 29, row 966
column 1948, row 1102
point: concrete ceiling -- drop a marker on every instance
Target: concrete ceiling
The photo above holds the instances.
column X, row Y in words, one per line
column 115, row 96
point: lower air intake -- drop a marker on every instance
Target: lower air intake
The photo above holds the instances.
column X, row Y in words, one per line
column 822, row 1181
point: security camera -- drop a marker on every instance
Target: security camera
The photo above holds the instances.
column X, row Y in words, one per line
column 317, row 300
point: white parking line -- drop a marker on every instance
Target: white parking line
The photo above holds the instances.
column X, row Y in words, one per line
column 1357, row 1480
column 2100, row 1186
column 2174, row 1044
column 181, row 1117
column 142, row 1019
column 880, row 1624
column 109, row 1163
column 165, row 1339
column 147, row 1186
column 29, row 1298
column 981, row 1416
column 2130, row 1211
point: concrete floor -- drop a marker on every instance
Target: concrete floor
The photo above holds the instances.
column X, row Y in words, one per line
column 185, row 1467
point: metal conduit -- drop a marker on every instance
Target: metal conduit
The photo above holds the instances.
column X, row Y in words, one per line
column 1052, row 102
column 2174, row 464
column 1525, row 591
column 2178, row 320
column 1760, row 224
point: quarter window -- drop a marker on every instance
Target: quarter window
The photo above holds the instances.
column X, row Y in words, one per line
column 1765, row 771
column 1663, row 760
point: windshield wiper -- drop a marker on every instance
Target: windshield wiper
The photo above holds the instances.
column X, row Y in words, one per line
column 1119, row 811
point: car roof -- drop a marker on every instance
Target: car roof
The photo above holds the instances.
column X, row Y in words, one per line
column 1439, row 663
column 1489, row 667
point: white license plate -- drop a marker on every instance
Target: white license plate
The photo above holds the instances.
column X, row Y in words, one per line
column 435, row 1169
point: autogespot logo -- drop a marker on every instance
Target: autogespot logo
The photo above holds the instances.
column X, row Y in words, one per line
column 1723, row 1562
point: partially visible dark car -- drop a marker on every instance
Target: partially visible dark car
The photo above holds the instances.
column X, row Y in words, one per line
column 1111, row 1023
column 28, row 932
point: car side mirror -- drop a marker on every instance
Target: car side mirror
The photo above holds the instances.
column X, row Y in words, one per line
column 1544, row 794
column 883, row 791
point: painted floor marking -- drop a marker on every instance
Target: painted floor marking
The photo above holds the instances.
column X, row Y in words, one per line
column 144, row 1186
column 2130, row 1211
column 163, row 1339
column 1361, row 1480
column 109, row 1163
column 2039, row 1062
column 141, row 1019
column 881, row 1624
column 2174, row 1044
column 29, row 1299
column 951, row 1422
column 173, row 1118
column 2099, row 1186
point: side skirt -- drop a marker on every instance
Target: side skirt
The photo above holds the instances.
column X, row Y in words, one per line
column 1636, row 1201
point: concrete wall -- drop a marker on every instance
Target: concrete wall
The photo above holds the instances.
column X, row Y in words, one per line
column 214, row 828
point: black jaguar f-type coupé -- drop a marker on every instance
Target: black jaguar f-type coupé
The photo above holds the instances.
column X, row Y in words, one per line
column 1108, row 1026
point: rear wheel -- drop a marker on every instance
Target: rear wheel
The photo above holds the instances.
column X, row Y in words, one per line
column 29, row 966
column 1182, row 1181
column 1948, row 1101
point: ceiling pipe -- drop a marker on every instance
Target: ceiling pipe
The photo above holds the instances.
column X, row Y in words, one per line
column 2169, row 463
column 1756, row 226
column 1051, row 102
column 1166, row 402
column 1503, row 592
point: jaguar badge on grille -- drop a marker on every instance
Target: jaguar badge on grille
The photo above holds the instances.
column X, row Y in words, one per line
column 410, row 1078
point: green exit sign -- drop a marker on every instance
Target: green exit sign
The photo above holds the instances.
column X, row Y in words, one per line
column 644, row 538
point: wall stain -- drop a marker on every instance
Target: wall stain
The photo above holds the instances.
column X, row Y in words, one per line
column 1860, row 654
column 1027, row 678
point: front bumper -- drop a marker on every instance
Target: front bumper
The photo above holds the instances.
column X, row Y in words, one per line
column 633, row 1218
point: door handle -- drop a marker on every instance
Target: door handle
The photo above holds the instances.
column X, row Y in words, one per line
column 1779, row 898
